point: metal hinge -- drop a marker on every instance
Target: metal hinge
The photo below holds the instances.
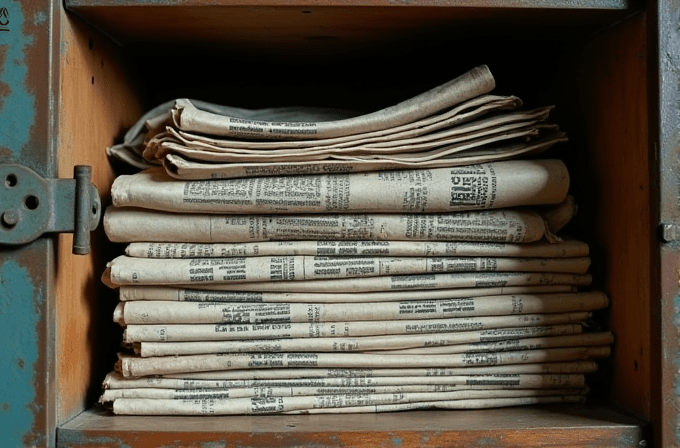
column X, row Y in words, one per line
column 31, row 206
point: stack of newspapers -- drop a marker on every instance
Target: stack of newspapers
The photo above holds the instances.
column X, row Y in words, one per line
column 331, row 289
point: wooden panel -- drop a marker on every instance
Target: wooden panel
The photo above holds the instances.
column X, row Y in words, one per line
column 544, row 426
column 331, row 29
column 607, row 82
column 97, row 104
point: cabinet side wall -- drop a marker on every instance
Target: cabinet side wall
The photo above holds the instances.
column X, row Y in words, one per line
column 98, row 103
column 609, row 97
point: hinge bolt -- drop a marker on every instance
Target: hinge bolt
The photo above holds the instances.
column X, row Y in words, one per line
column 670, row 232
column 10, row 218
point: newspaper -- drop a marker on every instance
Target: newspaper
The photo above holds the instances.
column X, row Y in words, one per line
column 124, row 225
column 443, row 133
column 155, row 120
column 487, row 341
column 400, row 282
column 292, row 391
column 541, row 249
column 484, row 403
column 495, row 185
column 145, row 271
column 364, row 374
column 199, row 332
column 474, row 83
column 149, row 312
column 115, row 380
column 269, row 405
column 132, row 366
column 369, row 343
column 190, row 164
column 558, row 216
column 481, row 137
column 527, row 343
column 466, row 112
column 168, row 293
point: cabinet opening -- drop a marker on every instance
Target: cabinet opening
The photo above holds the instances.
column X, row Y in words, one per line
column 590, row 64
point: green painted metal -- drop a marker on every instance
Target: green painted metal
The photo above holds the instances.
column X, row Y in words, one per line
column 28, row 117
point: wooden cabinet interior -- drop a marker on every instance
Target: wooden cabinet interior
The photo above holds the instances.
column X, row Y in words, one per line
column 590, row 62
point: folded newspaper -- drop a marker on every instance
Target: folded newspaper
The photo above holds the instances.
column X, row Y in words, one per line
column 299, row 260
column 457, row 123
column 495, row 185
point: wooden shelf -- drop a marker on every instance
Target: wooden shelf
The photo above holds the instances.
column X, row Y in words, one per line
column 538, row 426
column 337, row 26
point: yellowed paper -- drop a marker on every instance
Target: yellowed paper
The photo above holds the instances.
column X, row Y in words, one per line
column 365, row 374
column 502, row 226
column 488, row 186
column 169, row 293
column 145, row 271
column 132, row 366
column 241, row 331
column 490, row 340
column 148, row 312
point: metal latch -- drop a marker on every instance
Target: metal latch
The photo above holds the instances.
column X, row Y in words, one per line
column 31, row 206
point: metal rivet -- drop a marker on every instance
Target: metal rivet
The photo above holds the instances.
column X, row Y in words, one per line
column 10, row 218
column 643, row 443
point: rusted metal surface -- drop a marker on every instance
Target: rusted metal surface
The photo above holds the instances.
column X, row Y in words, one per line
column 31, row 206
column 26, row 313
column 668, row 145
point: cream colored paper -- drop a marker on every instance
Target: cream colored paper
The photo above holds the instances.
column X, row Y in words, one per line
column 440, row 190
column 529, row 343
column 536, row 337
column 115, row 380
column 241, row 331
column 542, row 249
column 145, row 271
column 463, row 113
column 148, row 312
column 474, row 83
column 406, row 282
column 503, row 226
column 132, row 366
column 364, row 374
column 168, row 293
column 291, row 391
column 483, row 403
column 269, row 405
column 187, row 164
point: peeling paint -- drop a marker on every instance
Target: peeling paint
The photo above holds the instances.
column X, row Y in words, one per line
column 17, row 108
column 40, row 18
column 19, row 351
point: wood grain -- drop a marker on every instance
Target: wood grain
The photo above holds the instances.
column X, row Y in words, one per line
column 97, row 104
column 283, row 29
column 607, row 85
column 545, row 426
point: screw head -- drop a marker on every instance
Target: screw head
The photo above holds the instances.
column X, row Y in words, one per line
column 10, row 218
